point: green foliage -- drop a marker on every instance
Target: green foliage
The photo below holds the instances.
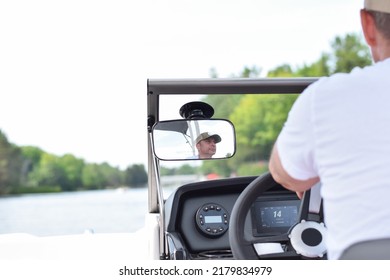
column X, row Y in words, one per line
column 282, row 71
column 316, row 69
column 33, row 154
column 47, row 173
column 113, row 177
column 92, row 177
column 349, row 52
column 71, row 172
column 136, row 175
column 253, row 72
column 11, row 165
column 223, row 105
column 184, row 169
column 258, row 120
column 29, row 169
column 220, row 167
column 251, row 168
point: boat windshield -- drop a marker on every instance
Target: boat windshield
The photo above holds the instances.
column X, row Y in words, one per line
column 257, row 120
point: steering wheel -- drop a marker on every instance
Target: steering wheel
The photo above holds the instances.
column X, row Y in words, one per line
column 304, row 239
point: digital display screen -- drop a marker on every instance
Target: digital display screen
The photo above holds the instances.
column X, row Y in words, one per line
column 279, row 216
column 212, row 219
column 274, row 216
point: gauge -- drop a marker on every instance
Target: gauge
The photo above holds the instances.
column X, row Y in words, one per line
column 212, row 220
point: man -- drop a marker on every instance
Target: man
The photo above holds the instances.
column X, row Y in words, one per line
column 206, row 145
column 338, row 132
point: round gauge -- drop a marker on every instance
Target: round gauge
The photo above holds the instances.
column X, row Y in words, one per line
column 212, row 220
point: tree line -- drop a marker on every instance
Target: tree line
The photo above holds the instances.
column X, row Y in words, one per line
column 29, row 169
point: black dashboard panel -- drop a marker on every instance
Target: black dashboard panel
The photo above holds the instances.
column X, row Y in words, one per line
column 198, row 215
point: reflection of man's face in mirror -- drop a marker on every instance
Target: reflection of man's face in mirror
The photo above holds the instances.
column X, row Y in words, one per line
column 206, row 148
column 207, row 145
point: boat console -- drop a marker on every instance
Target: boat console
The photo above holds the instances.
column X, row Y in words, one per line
column 198, row 217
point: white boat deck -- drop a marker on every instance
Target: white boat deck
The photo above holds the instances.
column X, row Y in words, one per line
column 140, row 245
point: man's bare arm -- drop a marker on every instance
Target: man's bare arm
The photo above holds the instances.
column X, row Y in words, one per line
column 282, row 177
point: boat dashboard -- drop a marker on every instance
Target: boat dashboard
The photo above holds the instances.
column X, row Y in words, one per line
column 198, row 216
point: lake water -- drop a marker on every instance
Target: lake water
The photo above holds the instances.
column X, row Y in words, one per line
column 103, row 211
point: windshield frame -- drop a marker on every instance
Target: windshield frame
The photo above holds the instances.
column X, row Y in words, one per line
column 158, row 87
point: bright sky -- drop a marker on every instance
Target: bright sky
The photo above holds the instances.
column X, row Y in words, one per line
column 73, row 72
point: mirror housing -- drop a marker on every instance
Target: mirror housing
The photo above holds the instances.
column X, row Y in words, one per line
column 181, row 139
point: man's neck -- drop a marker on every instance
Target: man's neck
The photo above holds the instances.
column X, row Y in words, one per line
column 382, row 50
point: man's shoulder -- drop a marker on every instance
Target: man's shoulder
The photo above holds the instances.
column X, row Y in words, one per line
column 342, row 81
column 378, row 70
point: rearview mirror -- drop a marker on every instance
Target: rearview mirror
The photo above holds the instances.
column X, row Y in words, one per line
column 194, row 139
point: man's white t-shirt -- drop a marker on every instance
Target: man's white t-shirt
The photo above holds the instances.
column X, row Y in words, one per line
column 339, row 130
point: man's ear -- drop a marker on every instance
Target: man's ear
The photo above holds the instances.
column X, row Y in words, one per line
column 369, row 28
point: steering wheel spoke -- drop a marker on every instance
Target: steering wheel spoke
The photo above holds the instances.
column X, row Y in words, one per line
column 282, row 238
